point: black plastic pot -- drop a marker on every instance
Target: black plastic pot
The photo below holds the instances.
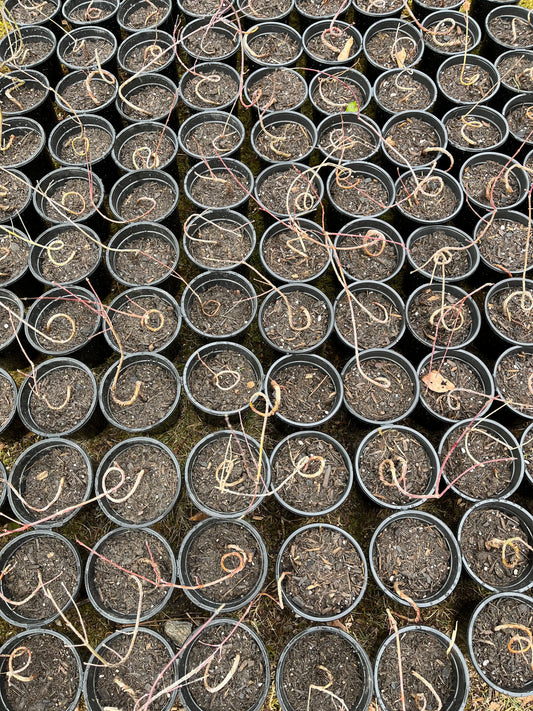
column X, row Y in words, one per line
column 521, row 137
column 335, row 10
column 6, row 423
column 84, row 426
column 222, row 28
column 422, row 9
column 15, row 277
column 230, row 125
column 91, row 12
column 277, row 120
column 242, row 288
column 459, row 695
column 73, row 42
column 10, row 613
column 95, row 598
column 479, row 115
column 528, row 463
column 192, row 230
column 106, row 385
column 442, row 22
column 18, row 477
column 210, row 69
column 507, row 164
column 494, row 429
column 518, row 352
column 403, row 76
column 74, row 130
column 333, row 28
column 312, row 196
column 516, row 285
column 455, row 565
column 495, row 45
column 322, row 634
column 481, row 236
column 523, row 581
column 365, row 18
column 147, row 158
column 264, row 104
column 12, row 313
column 133, row 86
column 10, row 214
column 50, row 183
column 433, row 270
column 128, row 183
column 468, row 62
column 102, row 80
column 426, row 177
column 510, row 77
column 38, row 84
column 161, row 15
column 156, row 47
column 387, row 355
column 401, row 30
column 213, row 348
column 14, row 45
column 240, row 173
column 223, row 8
column 315, row 361
column 301, row 466
column 291, row 603
column 247, row 13
column 340, row 144
column 395, row 157
column 37, row 16
column 359, row 90
column 238, row 442
column 348, row 174
column 280, row 32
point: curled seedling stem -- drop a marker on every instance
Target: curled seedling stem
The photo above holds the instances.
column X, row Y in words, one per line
column 133, row 398
column 121, row 499
column 58, row 408
column 513, row 543
column 421, row 698
column 525, row 641
column 325, row 689
column 102, row 74
column 145, row 320
column 57, row 245
column 72, row 327
column 226, row 680
column 17, row 673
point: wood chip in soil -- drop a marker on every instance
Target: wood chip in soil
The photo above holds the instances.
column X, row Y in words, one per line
column 515, row 72
column 23, row 54
column 402, row 92
column 87, row 146
column 452, row 388
column 448, row 36
column 284, row 141
column 221, row 189
column 266, row 9
column 377, row 319
column 223, row 381
column 491, row 183
column 386, row 392
column 72, row 199
column 288, row 191
column 146, row 15
column 220, row 310
column 209, row 89
column 370, row 254
column 504, row 243
column 385, row 7
column 329, row 45
column 411, row 142
column 437, row 202
column 66, row 323
column 273, row 47
column 205, row 7
column 23, row 13
column 63, row 399
column 14, row 251
column 10, row 319
column 392, row 48
column 278, row 90
column 509, row 310
column 219, row 244
column 520, row 120
column 147, row 150
column 295, row 254
column 15, row 192
column 307, row 393
column 440, row 254
column 149, row 56
column 295, row 320
column 87, row 13
column 514, row 380
column 144, row 323
column 321, row 8
column 151, row 200
column 74, row 255
column 88, row 52
column 443, row 321
column 25, row 95
column 144, row 259
column 512, row 31
column 156, row 394
column 358, row 193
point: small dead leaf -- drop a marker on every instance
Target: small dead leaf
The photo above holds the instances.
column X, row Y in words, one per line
column 345, row 53
column 437, row 383
column 200, row 516
column 338, row 624
column 401, row 56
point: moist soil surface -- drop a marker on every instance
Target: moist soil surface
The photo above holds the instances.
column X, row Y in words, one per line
column 148, row 150
column 77, row 97
column 150, row 102
column 448, row 36
column 358, row 193
column 156, row 487
column 322, row 659
column 446, row 387
column 87, row 146
column 520, row 120
column 328, row 46
column 386, row 47
column 377, row 319
column 309, row 473
column 491, row 645
column 437, row 202
column 466, row 83
column 150, row 261
column 14, row 252
column 284, row 142
column 402, row 92
column 7, row 404
column 223, row 475
column 223, row 381
column 440, row 254
column 278, row 90
column 72, row 199
column 369, row 254
column 333, row 92
column 225, row 643
column 23, row 146
column 30, row 13
column 295, row 255
column 209, row 89
column 483, row 536
column 25, row 95
column 412, row 556
column 471, row 131
column 155, row 398
column 147, row 57
column 515, row 72
column 15, row 194
column 212, row 138
column 28, row 52
column 146, row 16
column 509, row 310
column 220, row 311
column 295, row 321
column 379, row 401
column 51, row 675
column 215, row 552
column 65, row 323
column 144, row 323
column 504, row 244
column 274, row 48
column 63, row 400
column 73, row 253
column 266, row 9
column 447, row 324
column 408, row 142
column 59, row 473
column 209, row 43
column 485, row 182
column 88, row 52
column 133, row 550
column 288, row 191
column 514, row 378
column 151, row 200
column 423, row 654
column 57, row 566
column 349, row 142
column 226, row 190
column 479, row 445
column 307, row 393
column 324, row 573
column 395, row 456
column 511, row 31
column 220, row 244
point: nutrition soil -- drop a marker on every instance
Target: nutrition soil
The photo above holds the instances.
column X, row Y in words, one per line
column 28, row 52
column 72, row 199
column 147, row 150
column 328, row 45
column 15, row 193
column 504, row 243
column 10, row 323
column 87, row 146
column 14, row 252
column 148, row 15
column 440, row 320
column 437, row 202
column 466, row 83
column 440, row 255
column 348, row 142
column 514, row 379
column 219, row 244
column 388, row 394
column 223, row 381
column 386, row 46
column 7, row 402
column 321, row 8
column 145, row 259
column 221, row 189
column 144, row 323
column 150, row 56
column 471, row 131
column 509, row 311
column 25, row 95
column 289, row 191
column 511, row 31
column 212, row 138
column 150, row 200
column 358, row 193
column 378, row 321
column 295, row 321
column 368, row 253
column 65, row 323
column 278, row 90
column 273, row 48
column 63, row 399
column 209, row 89
column 32, row 12
column 220, row 311
column 335, row 91
column 150, row 102
column 492, row 184
column 88, row 53
column 307, row 393
column 76, row 96
column 23, row 146
column 267, row 9
column 209, row 43
column 284, row 142
column 448, row 37
column 156, row 395
column 411, row 142
column 515, row 72
column 74, row 255
column 402, row 92
column 520, row 120
column 452, row 388
column 295, row 255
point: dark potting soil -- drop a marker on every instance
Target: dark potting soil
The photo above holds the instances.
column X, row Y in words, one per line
column 378, row 8
column 205, row 7
column 209, row 43
column 87, row 146
column 423, row 655
column 223, row 381
column 144, row 394
column 349, row 142
column 10, row 320
column 402, row 92
column 511, row 31
column 147, row 150
column 146, row 323
column 309, row 473
column 321, row 660
column 295, row 321
column 28, row 13
column 212, row 138
column 437, row 202
column 224, row 474
column 226, row 643
column 20, row 147
column 22, row 54
column 14, row 195
column 369, row 255
column 385, row 392
column 509, row 310
column 440, row 254
column 495, row 546
column 329, row 45
column 320, row 8
column 504, row 243
column 492, row 184
column 472, row 132
column 514, row 380
column 273, row 48
column 147, row 15
column 495, row 644
column 147, row 57
column 123, row 684
column 520, row 121
column 412, row 556
column 466, row 83
column 441, row 320
column 307, row 393
column 72, row 199
column 448, row 36
column 295, row 254
column 221, row 189
column 7, row 404
column 22, row 97
column 51, row 675
column 57, row 567
column 284, row 141
column 324, row 573
column 332, row 94
column 88, row 52
column 515, row 72
column 219, row 244
column 149, row 102
column 289, row 191
column 358, row 194
column 411, row 142
column 392, row 48
column 150, row 200
column 220, row 311
column 77, row 97
column 59, row 475
column 209, row 89
column 89, row 14
column 63, row 399
column 141, row 554
column 377, row 320
column 452, row 388
column 14, row 252
column 150, row 483
column 218, row 550
column 278, row 90
column 144, row 259
column 74, row 254
column 266, row 9
column 394, row 462
column 66, row 323
column 470, row 459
